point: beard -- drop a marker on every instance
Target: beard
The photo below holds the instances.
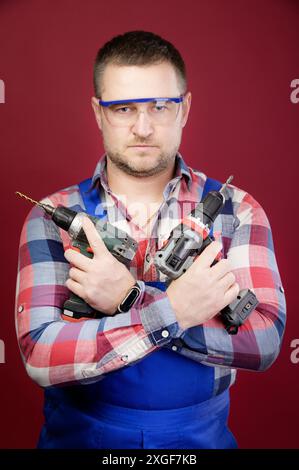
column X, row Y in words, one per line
column 135, row 167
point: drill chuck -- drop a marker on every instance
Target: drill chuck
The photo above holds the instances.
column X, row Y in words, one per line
column 212, row 206
column 63, row 217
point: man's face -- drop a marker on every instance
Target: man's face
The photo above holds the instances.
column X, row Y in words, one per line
column 143, row 148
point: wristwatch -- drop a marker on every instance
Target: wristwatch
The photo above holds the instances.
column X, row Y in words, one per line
column 129, row 299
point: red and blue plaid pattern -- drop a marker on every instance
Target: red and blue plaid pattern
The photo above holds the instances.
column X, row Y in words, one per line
column 56, row 351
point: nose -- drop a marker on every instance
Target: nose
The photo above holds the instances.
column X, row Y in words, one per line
column 142, row 126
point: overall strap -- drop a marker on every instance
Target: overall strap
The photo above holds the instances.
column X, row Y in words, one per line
column 210, row 185
column 91, row 197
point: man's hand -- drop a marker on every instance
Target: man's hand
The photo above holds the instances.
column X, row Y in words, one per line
column 101, row 281
column 202, row 291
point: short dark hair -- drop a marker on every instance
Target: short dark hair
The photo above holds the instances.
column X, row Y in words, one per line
column 138, row 48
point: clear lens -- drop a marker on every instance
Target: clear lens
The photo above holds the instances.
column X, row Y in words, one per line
column 162, row 112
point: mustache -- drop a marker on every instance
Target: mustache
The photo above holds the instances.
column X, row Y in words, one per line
column 143, row 143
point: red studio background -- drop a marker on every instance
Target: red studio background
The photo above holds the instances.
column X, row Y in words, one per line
column 243, row 69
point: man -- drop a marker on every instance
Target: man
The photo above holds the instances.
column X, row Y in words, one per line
column 158, row 375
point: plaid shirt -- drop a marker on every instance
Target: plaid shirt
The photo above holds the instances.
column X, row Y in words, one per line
column 56, row 351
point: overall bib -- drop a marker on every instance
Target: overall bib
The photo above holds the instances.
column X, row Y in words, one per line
column 164, row 401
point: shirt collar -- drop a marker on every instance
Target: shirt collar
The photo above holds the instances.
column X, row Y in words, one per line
column 100, row 174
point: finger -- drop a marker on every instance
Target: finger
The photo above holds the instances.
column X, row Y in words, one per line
column 221, row 268
column 206, row 258
column 231, row 294
column 227, row 281
column 94, row 238
column 77, row 275
column 75, row 287
column 77, row 259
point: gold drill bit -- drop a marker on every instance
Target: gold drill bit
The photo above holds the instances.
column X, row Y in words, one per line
column 47, row 208
column 28, row 198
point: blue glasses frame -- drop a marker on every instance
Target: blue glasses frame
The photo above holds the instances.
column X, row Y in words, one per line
column 178, row 99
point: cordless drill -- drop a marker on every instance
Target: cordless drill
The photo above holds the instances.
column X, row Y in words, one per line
column 185, row 243
column 119, row 243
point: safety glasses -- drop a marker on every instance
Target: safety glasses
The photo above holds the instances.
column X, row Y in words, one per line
column 123, row 113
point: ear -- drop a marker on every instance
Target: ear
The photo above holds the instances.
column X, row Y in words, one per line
column 97, row 111
column 186, row 105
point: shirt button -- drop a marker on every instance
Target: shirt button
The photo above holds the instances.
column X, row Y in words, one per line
column 21, row 308
column 281, row 289
column 165, row 333
column 125, row 358
column 174, row 348
column 148, row 257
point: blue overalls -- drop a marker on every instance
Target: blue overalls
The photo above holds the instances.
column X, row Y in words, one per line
column 163, row 401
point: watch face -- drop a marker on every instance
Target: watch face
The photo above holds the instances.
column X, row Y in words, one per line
column 130, row 299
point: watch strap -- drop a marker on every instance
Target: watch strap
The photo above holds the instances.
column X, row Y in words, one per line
column 130, row 299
